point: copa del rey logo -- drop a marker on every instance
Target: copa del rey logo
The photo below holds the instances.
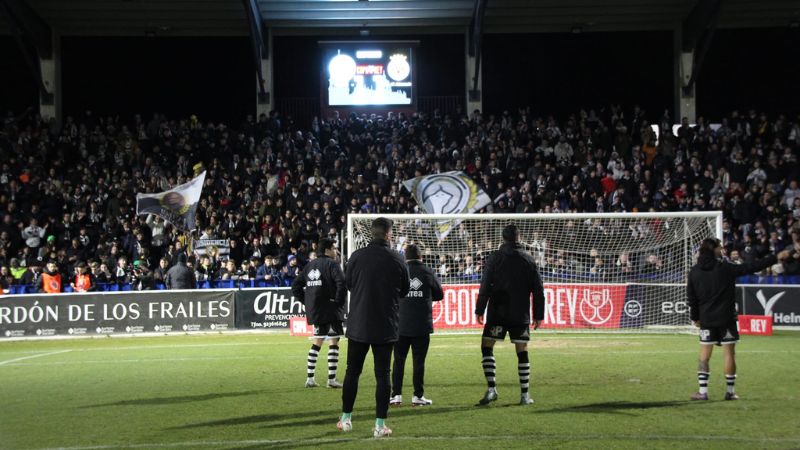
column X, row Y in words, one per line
column 565, row 306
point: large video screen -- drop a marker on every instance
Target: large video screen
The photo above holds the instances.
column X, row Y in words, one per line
column 368, row 74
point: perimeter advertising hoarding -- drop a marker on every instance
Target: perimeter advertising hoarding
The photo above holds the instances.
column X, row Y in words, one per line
column 115, row 313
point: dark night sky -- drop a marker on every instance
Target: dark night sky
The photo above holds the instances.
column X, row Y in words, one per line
column 214, row 77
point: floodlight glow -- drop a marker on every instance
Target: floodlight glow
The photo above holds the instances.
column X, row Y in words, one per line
column 342, row 68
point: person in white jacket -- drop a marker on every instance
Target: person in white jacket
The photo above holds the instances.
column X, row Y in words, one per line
column 33, row 234
column 157, row 227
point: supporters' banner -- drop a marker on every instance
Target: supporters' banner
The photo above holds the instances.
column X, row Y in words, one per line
column 115, row 313
column 755, row 325
column 566, row 306
column 782, row 302
column 220, row 247
column 447, row 193
column 177, row 206
column 266, row 308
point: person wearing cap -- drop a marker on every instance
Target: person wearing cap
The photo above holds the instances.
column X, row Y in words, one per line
column 84, row 280
column 179, row 276
column 377, row 278
column 50, row 280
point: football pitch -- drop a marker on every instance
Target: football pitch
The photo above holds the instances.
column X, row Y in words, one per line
column 245, row 391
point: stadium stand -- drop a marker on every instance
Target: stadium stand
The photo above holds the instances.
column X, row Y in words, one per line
column 273, row 188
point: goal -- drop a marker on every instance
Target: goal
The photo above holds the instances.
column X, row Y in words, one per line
column 612, row 271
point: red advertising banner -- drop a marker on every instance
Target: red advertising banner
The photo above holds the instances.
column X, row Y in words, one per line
column 566, row 306
column 755, row 325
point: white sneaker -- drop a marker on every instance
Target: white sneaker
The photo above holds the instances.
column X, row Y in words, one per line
column 345, row 425
column 420, row 401
column 311, row 383
column 334, row 384
column 381, row 432
column 397, row 400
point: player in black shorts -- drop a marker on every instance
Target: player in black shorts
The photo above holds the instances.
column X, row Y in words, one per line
column 321, row 287
column 710, row 290
column 510, row 277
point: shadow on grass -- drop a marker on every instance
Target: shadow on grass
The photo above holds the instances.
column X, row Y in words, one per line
column 173, row 400
column 622, row 407
column 303, row 419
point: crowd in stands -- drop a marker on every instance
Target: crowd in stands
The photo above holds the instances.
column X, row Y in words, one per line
column 274, row 187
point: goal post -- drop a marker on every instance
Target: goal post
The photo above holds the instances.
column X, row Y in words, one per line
column 602, row 271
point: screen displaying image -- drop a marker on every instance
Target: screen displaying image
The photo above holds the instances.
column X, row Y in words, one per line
column 368, row 75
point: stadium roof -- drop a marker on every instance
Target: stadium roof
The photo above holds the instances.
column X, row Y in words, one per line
column 227, row 17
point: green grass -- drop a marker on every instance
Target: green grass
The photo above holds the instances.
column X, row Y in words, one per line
column 246, row 391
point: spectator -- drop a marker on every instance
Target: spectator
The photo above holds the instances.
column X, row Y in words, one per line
column 142, row 277
column 16, row 270
column 93, row 200
column 290, row 270
column 6, row 279
column 160, row 274
column 179, row 276
column 33, row 234
column 227, row 271
column 790, row 194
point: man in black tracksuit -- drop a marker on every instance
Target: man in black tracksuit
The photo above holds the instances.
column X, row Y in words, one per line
column 324, row 296
column 710, row 291
column 510, row 277
column 416, row 326
column 377, row 278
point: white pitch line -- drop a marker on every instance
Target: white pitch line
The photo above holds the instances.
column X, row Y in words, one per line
column 434, row 355
column 521, row 437
column 22, row 358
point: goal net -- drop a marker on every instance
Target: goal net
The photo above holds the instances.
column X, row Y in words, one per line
column 619, row 271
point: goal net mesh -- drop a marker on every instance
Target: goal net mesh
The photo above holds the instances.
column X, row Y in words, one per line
column 621, row 272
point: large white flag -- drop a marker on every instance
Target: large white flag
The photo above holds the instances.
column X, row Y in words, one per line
column 447, row 193
column 177, row 206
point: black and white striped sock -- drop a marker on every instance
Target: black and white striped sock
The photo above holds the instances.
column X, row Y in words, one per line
column 524, row 369
column 702, row 379
column 312, row 360
column 489, row 365
column 333, row 361
column 731, row 380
